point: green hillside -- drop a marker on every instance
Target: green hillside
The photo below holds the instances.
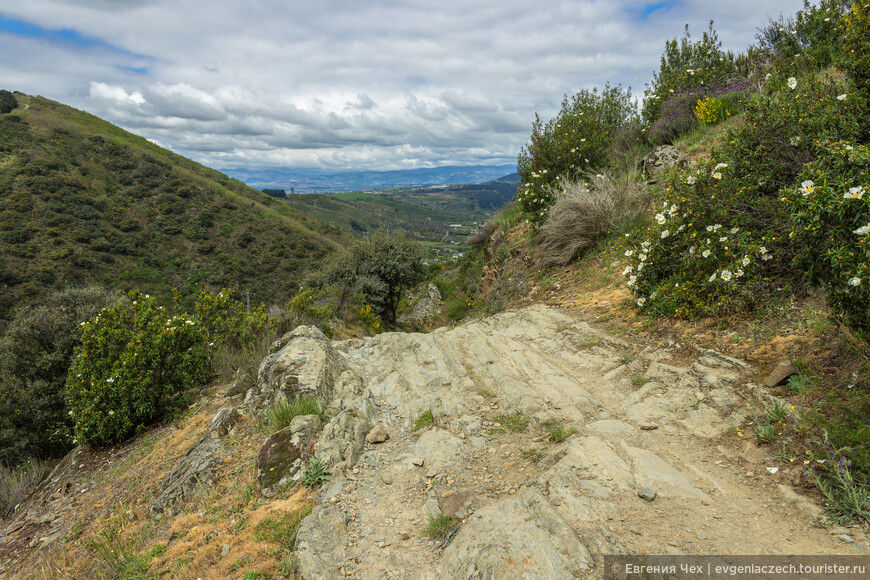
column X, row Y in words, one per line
column 84, row 201
column 439, row 217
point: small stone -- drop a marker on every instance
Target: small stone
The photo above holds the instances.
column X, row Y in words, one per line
column 404, row 536
column 225, row 551
column 377, row 435
column 647, row 426
column 462, row 435
column 386, row 478
column 635, row 531
column 646, row 493
column 779, row 374
column 845, row 538
column 418, row 461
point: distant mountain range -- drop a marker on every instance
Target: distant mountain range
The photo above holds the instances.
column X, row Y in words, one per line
column 321, row 181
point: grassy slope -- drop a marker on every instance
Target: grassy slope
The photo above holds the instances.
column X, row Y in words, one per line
column 82, row 200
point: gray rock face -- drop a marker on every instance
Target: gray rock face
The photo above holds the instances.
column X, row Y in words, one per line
column 320, row 543
column 285, row 453
column 193, row 470
column 223, row 422
column 342, row 440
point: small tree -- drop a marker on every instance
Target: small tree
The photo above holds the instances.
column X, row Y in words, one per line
column 7, row 102
column 381, row 268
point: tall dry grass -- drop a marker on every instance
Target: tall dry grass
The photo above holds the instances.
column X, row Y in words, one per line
column 585, row 212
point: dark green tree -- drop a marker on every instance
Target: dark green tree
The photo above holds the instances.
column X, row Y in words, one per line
column 35, row 356
column 382, row 268
column 7, row 102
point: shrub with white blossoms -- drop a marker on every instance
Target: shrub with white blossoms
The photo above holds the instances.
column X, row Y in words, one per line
column 135, row 366
column 832, row 226
column 698, row 257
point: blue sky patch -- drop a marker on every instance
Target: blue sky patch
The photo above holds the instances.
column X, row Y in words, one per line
column 644, row 12
column 65, row 36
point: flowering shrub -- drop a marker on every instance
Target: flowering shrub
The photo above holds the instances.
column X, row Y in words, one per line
column 831, row 223
column 570, row 145
column 135, row 366
column 226, row 321
column 684, row 65
column 777, row 138
column 679, row 113
column 701, row 256
column 711, row 110
column 856, row 45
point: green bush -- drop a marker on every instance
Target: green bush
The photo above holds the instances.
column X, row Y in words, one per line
column 135, row 366
column 315, row 307
column 35, row 354
column 855, row 53
column 686, row 65
column 831, row 224
column 578, row 140
column 282, row 413
column 226, row 321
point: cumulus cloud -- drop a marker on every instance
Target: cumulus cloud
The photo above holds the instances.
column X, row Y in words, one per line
column 363, row 85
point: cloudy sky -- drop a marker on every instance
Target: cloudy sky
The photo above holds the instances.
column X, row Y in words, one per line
column 345, row 84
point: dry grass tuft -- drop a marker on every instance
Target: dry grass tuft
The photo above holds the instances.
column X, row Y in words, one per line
column 584, row 213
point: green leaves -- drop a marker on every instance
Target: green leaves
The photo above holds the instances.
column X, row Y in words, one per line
column 134, row 367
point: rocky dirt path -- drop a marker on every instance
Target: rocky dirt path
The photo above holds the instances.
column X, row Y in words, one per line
column 652, row 464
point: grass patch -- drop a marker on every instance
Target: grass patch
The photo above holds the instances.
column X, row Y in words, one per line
column 486, row 394
column 285, row 410
column 798, row 384
column 515, row 423
column 425, row 419
column 777, row 412
column 558, row 432
column 440, row 525
column 764, row 430
column 282, row 529
column 16, row 483
column 497, row 431
column 240, row 563
column 533, row 455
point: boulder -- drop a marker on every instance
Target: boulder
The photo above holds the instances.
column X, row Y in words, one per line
column 662, row 157
column 303, row 362
column 223, row 421
column 780, row 374
column 427, row 309
column 190, row 473
column 377, row 435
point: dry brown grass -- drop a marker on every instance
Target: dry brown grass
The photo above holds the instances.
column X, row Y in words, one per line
column 583, row 213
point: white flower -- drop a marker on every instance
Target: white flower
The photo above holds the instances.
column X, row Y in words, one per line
column 720, row 166
column 792, row 82
column 692, row 250
column 717, row 227
column 110, row 380
column 795, row 140
column 841, row 97
column 717, row 175
column 629, row 253
column 705, row 253
column 147, row 296
column 666, row 233
column 640, row 267
column 645, row 245
column 82, row 324
column 640, row 301
column 632, row 280
column 766, row 257
column 628, row 270
column 807, row 187
column 660, row 217
column 726, row 275
column 111, row 412
column 848, row 148
column 690, row 180
column 642, row 257
column 738, row 273
column 672, row 210
column 681, row 228
column 723, row 239
column 735, row 230
column 709, row 228
column 854, row 193
column 745, row 260
column 712, row 278
column 854, row 281
column 762, row 249
column 863, row 230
